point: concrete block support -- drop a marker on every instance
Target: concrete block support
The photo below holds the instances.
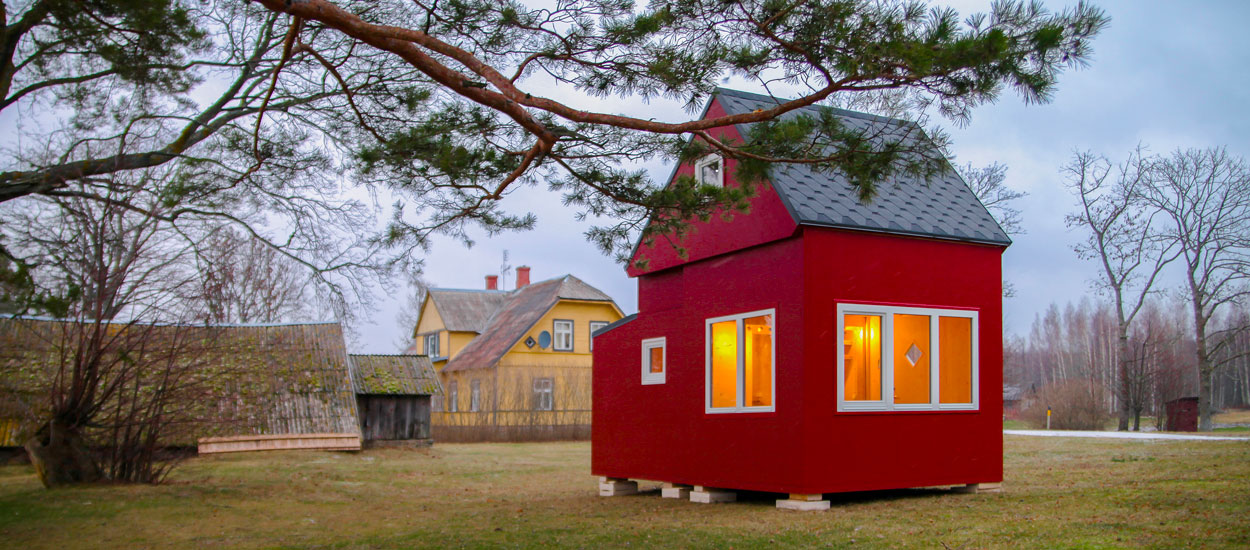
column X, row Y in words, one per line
column 979, row 488
column 615, row 487
column 708, row 495
column 803, row 503
column 675, row 490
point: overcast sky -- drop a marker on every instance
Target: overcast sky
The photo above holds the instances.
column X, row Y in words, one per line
column 1164, row 74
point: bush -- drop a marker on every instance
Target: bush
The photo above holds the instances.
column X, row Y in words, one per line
column 1074, row 405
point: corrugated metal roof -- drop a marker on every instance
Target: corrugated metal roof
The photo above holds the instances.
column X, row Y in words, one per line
column 466, row 310
column 942, row 207
column 523, row 308
column 267, row 379
column 394, row 375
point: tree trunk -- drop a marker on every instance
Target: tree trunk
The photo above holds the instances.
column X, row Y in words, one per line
column 1125, row 385
column 61, row 456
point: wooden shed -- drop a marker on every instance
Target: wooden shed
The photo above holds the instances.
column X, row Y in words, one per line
column 815, row 344
column 393, row 398
column 1182, row 414
column 282, row 386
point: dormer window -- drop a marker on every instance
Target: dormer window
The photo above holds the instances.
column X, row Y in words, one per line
column 709, row 170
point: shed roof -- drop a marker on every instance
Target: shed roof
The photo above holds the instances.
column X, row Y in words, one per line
column 942, row 207
column 394, row 375
column 275, row 379
column 518, row 312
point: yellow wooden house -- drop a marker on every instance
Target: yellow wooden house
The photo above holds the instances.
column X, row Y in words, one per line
column 514, row 364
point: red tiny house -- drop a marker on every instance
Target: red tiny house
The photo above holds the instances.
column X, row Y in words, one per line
column 783, row 295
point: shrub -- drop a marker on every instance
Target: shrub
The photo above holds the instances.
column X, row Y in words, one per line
column 1075, row 405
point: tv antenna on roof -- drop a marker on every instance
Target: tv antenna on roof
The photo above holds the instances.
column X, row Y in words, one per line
column 504, row 270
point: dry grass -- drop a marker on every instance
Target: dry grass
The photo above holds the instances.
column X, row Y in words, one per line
column 1241, row 416
column 1059, row 493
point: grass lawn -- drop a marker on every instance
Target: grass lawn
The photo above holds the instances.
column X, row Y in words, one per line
column 1058, row 493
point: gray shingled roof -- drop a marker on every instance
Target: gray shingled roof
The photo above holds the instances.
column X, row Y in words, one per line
column 944, row 207
column 467, row 310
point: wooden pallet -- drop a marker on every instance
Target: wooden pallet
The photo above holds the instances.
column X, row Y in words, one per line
column 282, row 442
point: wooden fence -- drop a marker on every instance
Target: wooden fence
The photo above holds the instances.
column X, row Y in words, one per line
column 511, row 425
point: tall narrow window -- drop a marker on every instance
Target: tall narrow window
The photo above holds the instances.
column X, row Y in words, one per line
column 709, row 170
column 431, row 345
column 453, row 397
column 653, row 361
column 956, row 357
column 861, row 346
column 906, row 358
column 594, row 326
column 911, row 359
column 740, row 356
column 563, row 331
column 475, row 396
column 543, row 397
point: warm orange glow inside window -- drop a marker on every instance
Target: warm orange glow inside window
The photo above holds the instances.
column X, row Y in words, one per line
column 725, row 364
column 861, row 344
column 657, row 359
column 911, row 358
column 955, row 358
column 759, row 360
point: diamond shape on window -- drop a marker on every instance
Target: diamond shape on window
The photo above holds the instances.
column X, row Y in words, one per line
column 913, row 355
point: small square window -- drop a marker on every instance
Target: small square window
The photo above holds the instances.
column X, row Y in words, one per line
column 654, row 361
column 709, row 170
column 563, row 331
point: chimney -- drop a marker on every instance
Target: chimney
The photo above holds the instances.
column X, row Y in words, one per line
column 492, row 282
column 522, row 276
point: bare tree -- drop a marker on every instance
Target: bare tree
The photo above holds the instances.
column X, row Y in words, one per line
column 989, row 184
column 1203, row 200
column 244, row 280
column 410, row 313
column 1117, row 227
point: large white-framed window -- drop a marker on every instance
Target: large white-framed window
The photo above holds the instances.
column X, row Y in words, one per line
column 710, row 170
column 453, row 397
column 431, row 345
column 475, row 396
column 563, row 331
column 595, row 325
column 544, row 397
column 740, row 362
column 894, row 358
column 654, row 360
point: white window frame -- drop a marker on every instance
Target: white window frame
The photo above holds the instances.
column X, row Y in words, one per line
column 741, row 381
column 544, row 394
column 887, row 314
column 596, row 325
column 475, row 396
column 710, row 159
column 649, row 344
column 555, row 334
column 428, row 339
column 453, row 399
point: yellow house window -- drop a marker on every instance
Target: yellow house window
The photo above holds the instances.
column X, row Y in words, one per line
column 563, row 331
column 903, row 358
column 740, row 358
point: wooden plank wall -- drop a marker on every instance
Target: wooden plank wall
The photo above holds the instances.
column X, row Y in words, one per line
column 394, row 417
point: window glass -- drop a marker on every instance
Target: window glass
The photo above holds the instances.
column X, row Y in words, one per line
column 431, row 345
column 475, row 396
column 758, row 357
column 955, row 356
column 861, row 345
column 564, row 335
column 724, row 364
column 595, row 325
column 911, row 359
column 708, row 170
column 657, row 360
column 453, row 398
column 543, row 399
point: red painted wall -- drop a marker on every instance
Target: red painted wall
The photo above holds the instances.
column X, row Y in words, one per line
column 768, row 220
column 663, row 433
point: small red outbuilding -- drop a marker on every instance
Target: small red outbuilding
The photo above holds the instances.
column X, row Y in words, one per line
column 816, row 344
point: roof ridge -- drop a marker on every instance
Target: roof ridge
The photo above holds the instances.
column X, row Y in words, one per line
column 169, row 324
column 837, row 110
column 387, row 355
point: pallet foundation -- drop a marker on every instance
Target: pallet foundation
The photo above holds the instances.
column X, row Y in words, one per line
column 709, row 495
column 803, row 503
column 675, row 490
column 615, row 487
column 979, row 488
